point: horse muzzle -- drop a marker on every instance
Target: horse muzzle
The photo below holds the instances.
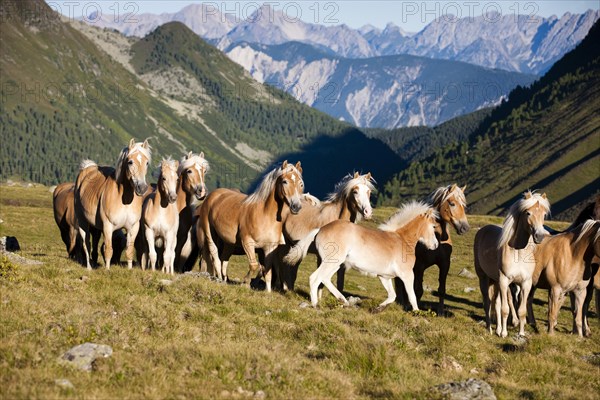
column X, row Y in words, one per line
column 200, row 193
column 172, row 198
column 367, row 213
column 140, row 188
column 538, row 237
column 295, row 207
column 463, row 228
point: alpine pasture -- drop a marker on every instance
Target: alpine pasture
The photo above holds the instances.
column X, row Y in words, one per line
column 194, row 337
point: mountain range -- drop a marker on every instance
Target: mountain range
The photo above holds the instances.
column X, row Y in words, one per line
column 382, row 78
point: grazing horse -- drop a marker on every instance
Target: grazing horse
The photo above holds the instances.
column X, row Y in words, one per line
column 230, row 219
column 111, row 200
column 387, row 252
column 160, row 217
column 191, row 190
column 349, row 202
column 63, row 201
column 563, row 264
column 450, row 203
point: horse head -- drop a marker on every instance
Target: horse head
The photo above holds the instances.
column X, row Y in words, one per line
column 167, row 179
column 533, row 212
column 426, row 229
column 452, row 209
column 133, row 165
column 290, row 186
column 192, row 171
column 359, row 199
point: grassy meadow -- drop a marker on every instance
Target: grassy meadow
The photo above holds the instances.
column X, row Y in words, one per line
column 197, row 338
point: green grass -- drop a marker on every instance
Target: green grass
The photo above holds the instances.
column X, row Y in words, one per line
column 201, row 339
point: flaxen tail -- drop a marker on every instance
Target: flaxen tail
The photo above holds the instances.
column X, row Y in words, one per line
column 299, row 250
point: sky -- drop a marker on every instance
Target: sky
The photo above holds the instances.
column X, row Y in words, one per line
column 412, row 16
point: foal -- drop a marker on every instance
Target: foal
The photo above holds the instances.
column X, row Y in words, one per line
column 387, row 252
column 160, row 217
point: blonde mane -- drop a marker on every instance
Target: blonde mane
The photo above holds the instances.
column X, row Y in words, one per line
column 441, row 194
column 587, row 227
column 529, row 200
column 191, row 159
column 407, row 213
column 344, row 187
column 267, row 185
column 169, row 162
column 138, row 147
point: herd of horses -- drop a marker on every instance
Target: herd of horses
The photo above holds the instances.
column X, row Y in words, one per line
column 173, row 223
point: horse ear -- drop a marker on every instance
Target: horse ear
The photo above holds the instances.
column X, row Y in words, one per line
column 464, row 188
column 284, row 165
column 527, row 195
column 145, row 144
column 201, row 154
column 356, row 174
column 176, row 164
column 452, row 187
column 543, row 195
column 131, row 143
column 299, row 166
column 368, row 177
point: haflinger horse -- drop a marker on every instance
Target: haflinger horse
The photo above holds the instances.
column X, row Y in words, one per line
column 349, row 202
column 386, row 252
column 63, row 202
column 191, row 191
column 563, row 263
column 230, row 219
column 450, row 203
column 113, row 200
column 515, row 245
column 160, row 217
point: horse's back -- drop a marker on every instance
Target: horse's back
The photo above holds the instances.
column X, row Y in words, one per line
column 485, row 251
column 63, row 202
column 89, row 186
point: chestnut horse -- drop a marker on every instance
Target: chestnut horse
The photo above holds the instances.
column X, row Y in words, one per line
column 63, row 202
column 349, row 202
column 563, row 264
column 230, row 219
column 387, row 252
column 450, row 203
column 515, row 244
column 191, row 190
column 110, row 201
column 160, row 218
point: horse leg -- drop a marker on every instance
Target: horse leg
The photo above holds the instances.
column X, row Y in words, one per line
column 525, row 288
column 389, row 287
column 270, row 254
column 84, row 244
column 408, row 279
column 225, row 256
column 253, row 265
column 169, row 252
column 444, row 269
column 419, row 272
column 503, row 283
column 95, row 234
column 131, row 234
column 553, row 306
column 328, row 274
column 484, row 288
column 579, row 296
column 324, row 271
column 400, row 292
column 341, row 277
column 530, row 315
column 512, row 295
column 150, row 243
column 107, row 231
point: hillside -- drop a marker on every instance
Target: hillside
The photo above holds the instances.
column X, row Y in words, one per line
column 545, row 137
column 71, row 91
column 386, row 91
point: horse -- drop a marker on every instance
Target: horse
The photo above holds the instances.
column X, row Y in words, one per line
column 349, row 201
column 63, row 202
column 386, row 252
column 563, row 264
column 522, row 230
column 229, row 219
column 450, row 203
column 191, row 190
column 111, row 200
column 160, row 217
column 590, row 211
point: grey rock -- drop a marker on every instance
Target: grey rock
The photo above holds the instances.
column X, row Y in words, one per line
column 64, row 383
column 304, row 304
column 83, row 356
column 469, row 289
column 471, row 389
column 165, row 282
column 353, row 301
column 465, row 273
column 9, row 243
